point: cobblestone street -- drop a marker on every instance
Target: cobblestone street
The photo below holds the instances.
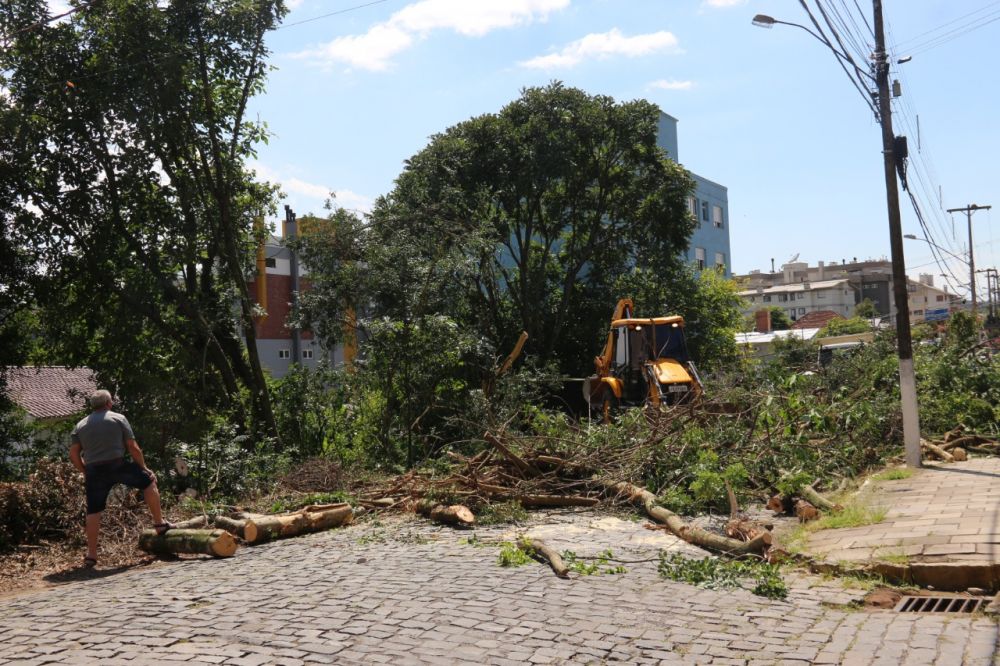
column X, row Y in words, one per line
column 406, row 592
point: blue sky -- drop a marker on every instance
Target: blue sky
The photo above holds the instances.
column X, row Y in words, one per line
column 766, row 112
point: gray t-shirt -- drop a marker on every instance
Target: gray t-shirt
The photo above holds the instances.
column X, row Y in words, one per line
column 102, row 435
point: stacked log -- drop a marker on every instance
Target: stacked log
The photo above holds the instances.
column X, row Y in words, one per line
column 217, row 543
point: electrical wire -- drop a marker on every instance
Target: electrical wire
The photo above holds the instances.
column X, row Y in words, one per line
column 328, row 15
column 857, row 81
column 955, row 34
column 899, row 45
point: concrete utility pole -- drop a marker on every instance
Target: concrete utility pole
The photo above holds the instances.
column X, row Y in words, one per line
column 292, row 233
column 907, row 377
column 969, row 210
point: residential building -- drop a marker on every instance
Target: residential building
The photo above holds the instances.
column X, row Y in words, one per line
column 799, row 289
column 709, row 204
column 280, row 277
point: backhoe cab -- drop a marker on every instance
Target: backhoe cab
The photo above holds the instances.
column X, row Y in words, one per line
column 644, row 363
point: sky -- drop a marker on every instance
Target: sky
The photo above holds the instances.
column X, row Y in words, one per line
column 360, row 86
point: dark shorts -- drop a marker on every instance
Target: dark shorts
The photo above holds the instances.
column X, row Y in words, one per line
column 101, row 477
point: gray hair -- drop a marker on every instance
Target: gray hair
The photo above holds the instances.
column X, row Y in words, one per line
column 99, row 399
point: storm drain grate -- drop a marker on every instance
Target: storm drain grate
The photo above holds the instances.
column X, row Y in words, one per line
column 940, row 605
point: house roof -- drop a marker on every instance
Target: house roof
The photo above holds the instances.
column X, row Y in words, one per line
column 816, row 319
column 795, row 287
column 50, row 391
column 755, row 338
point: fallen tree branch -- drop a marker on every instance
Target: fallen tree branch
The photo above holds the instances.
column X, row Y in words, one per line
column 527, row 469
column 237, row 527
column 542, row 550
column 937, row 450
column 810, row 494
column 647, row 502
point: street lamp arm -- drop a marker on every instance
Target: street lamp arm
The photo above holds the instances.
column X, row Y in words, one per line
column 765, row 21
column 933, row 244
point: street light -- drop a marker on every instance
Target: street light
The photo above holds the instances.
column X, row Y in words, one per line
column 946, row 251
column 907, row 376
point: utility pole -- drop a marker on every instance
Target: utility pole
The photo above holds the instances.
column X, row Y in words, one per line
column 292, row 233
column 969, row 210
column 907, row 377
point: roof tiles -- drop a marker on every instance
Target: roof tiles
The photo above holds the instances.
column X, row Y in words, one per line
column 52, row 391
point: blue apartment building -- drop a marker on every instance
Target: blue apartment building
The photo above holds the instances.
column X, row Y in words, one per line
column 710, row 206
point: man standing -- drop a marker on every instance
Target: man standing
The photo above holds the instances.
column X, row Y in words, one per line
column 98, row 450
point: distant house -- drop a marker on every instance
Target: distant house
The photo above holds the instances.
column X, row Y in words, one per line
column 761, row 345
column 51, row 396
column 816, row 319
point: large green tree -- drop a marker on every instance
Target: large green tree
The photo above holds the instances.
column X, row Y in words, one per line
column 551, row 200
column 123, row 142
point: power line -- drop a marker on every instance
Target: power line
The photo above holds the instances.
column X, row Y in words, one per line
column 328, row 15
column 944, row 39
column 946, row 24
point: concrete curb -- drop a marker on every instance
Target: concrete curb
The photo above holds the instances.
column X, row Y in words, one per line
column 945, row 576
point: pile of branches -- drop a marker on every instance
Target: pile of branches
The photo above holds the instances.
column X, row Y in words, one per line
column 955, row 445
column 535, row 472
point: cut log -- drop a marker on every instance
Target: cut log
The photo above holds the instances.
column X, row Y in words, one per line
column 268, row 528
column 959, row 454
column 237, row 527
column 647, row 502
column 328, row 518
column 745, row 530
column 217, row 543
column 810, row 495
column 542, row 550
column 535, row 501
column 195, row 523
column 284, row 526
column 456, row 514
column 781, row 505
column 805, row 511
column 930, row 447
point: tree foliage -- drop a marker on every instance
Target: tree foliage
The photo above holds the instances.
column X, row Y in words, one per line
column 123, row 141
column 549, row 203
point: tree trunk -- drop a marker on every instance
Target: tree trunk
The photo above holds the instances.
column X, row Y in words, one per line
column 937, row 450
column 217, row 543
column 809, row 494
column 195, row 523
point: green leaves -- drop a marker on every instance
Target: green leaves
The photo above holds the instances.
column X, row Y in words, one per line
column 714, row 574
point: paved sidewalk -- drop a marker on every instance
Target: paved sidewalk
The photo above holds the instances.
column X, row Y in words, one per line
column 946, row 517
column 405, row 592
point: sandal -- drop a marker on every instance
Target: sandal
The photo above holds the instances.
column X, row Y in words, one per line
column 163, row 528
column 89, row 562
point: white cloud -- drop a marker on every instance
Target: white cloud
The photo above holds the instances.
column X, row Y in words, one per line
column 293, row 4
column 605, row 45
column 663, row 84
column 292, row 185
column 719, row 4
column 375, row 49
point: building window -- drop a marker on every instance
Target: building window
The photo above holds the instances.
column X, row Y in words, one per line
column 782, row 298
column 720, row 261
column 693, row 207
column 307, row 353
column 717, row 216
column 271, row 262
column 799, row 296
column 699, row 257
column 704, row 211
column 820, row 294
column 940, row 297
column 802, row 311
column 767, row 299
column 284, row 353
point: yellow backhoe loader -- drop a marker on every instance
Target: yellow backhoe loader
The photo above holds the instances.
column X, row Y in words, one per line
column 645, row 363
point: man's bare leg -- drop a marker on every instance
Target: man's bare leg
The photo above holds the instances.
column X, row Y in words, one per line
column 152, row 496
column 93, row 529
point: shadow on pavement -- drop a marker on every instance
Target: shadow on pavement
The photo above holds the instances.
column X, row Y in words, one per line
column 81, row 573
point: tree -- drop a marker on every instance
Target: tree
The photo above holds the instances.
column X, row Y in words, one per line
column 399, row 293
column 846, row 327
column 865, row 309
column 779, row 319
column 123, row 140
column 550, row 201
